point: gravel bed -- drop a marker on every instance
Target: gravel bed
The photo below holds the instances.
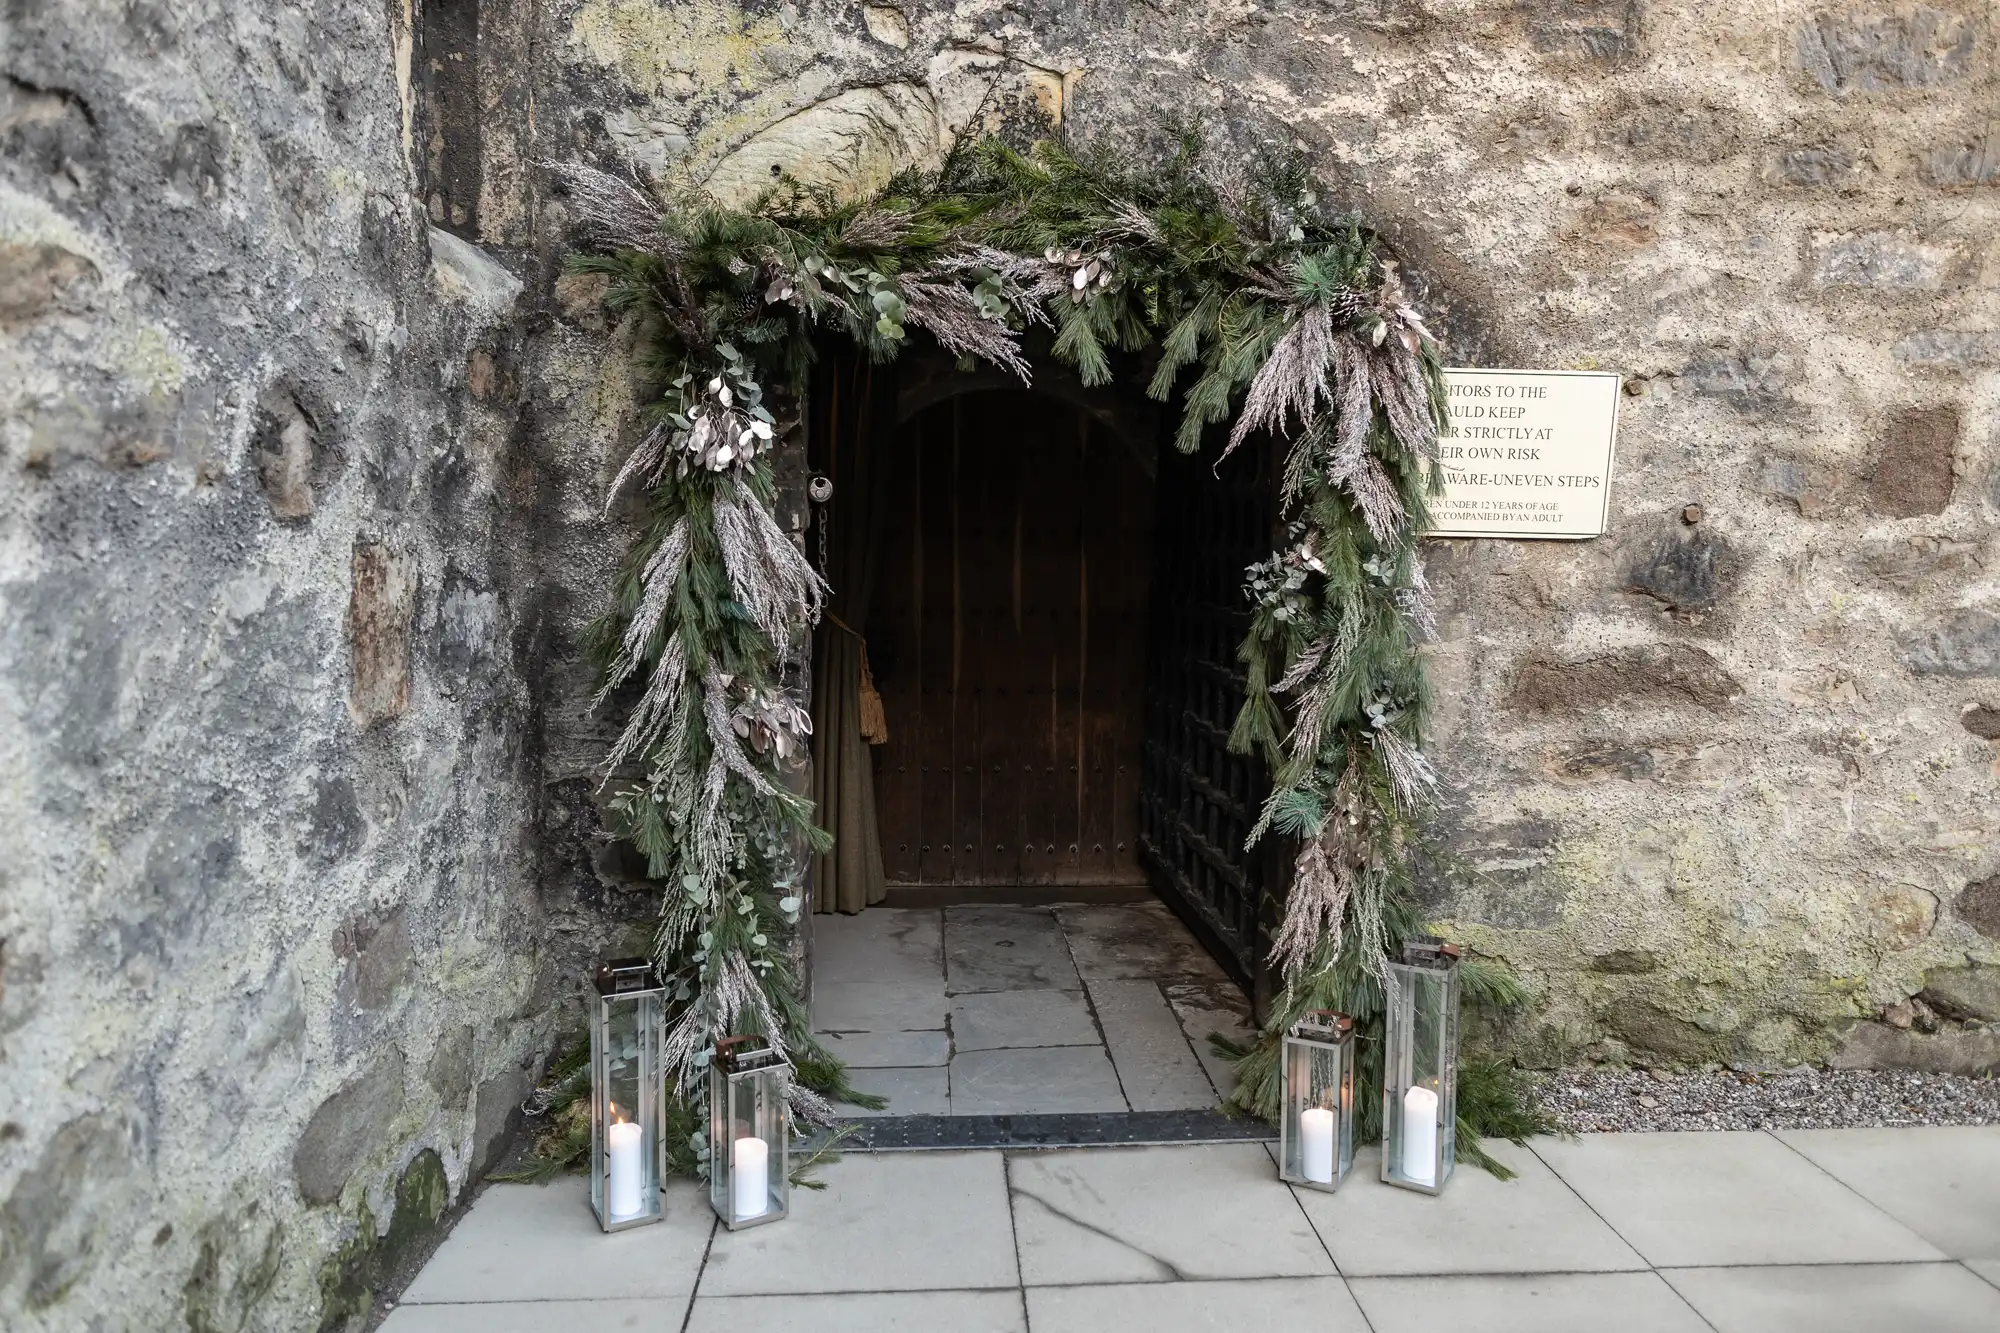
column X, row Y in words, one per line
column 1588, row 1101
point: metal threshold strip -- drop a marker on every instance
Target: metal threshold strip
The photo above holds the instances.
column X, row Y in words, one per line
column 920, row 1133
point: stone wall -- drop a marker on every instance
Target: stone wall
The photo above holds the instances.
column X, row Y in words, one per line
column 268, row 917
column 302, row 523
column 1724, row 780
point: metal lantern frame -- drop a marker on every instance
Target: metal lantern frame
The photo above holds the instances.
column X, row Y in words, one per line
column 749, row 1087
column 1420, row 1052
column 625, row 1088
column 1316, row 1057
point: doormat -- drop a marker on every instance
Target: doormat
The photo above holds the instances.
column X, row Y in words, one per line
column 916, row 1133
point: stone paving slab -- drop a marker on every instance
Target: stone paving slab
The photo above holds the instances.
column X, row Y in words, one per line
column 1321, row 1304
column 885, row 1222
column 1941, row 1182
column 1157, row 1215
column 880, row 945
column 989, row 948
column 889, row 1050
column 1526, row 1303
column 1693, row 1200
column 1134, row 942
column 1043, row 1080
column 920, row 1091
column 1534, row 1223
column 995, row 1020
column 1205, row 1237
column 879, row 1006
column 863, row 1312
column 1858, row 1298
column 1156, row 1067
column 648, row 1316
column 542, row 1243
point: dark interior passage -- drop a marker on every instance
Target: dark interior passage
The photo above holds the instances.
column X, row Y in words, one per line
column 1008, row 641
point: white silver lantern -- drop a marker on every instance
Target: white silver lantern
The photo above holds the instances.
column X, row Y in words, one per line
column 625, row 1111
column 1316, row 1127
column 749, row 1133
column 1420, row 1067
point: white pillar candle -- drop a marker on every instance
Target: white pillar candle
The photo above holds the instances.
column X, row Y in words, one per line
column 1420, row 1136
column 750, row 1177
column 624, row 1144
column 1316, row 1145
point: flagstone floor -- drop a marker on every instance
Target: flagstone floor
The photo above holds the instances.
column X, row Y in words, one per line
column 1889, row 1230
column 995, row 1010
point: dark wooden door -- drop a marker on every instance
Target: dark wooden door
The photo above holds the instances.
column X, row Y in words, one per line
column 1008, row 641
column 1198, row 801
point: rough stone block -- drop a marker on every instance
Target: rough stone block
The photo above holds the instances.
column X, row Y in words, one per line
column 1879, row 1046
column 381, row 603
column 1872, row 51
column 378, row 954
column 1748, row 382
column 496, row 1110
column 1666, row 674
column 450, row 1070
column 1816, row 167
column 286, row 440
column 1978, row 906
column 348, row 1127
column 1913, row 472
column 467, row 274
column 1659, row 129
column 1950, row 348
column 1621, row 218
column 33, row 275
column 1686, row 568
column 1812, row 489
column 852, row 143
column 1605, row 32
column 1965, row 165
column 1963, row 992
column 1902, row 915
column 50, row 1224
column 1966, row 645
column 1882, row 261
column 887, row 25
column 1981, row 721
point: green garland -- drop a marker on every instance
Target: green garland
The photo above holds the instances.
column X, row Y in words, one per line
column 1260, row 310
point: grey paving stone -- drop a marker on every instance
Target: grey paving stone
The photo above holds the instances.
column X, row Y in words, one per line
column 1526, row 1303
column 1135, row 942
column 1692, row 1199
column 1156, row 1068
column 649, row 1316
column 1857, row 1298
column 991, row 948
column 1206, row 1009
column 1986, row 1268
column 1941, row 1182
column 869, row 1006
column 542, row 1243
column 880, row 945
column 885, row 1222
column 889, row 1050
column 1158, row 1215
column 1039, row 1080
column 1531, row 1224
column 1318, row 1303
column 924, row 1091
column 861, row 1312
column 992, row 1020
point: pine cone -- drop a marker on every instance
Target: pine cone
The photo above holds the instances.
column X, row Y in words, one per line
column 1345, row 305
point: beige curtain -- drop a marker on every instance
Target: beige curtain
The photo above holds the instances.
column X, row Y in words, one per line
column 860, row 412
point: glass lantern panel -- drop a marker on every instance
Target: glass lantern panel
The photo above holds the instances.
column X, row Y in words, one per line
column 624, row 1180
column 1319, row 1094
column 1418, row 1112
